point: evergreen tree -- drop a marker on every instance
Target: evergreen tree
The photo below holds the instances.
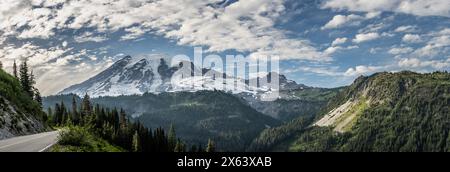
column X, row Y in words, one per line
column 63, row 115
column 57, row 115
column 25, row 79
column 1, row 65
column 15, row 69
column 37, row 96
column 32, row 79
column 123, row 119
column 211, row 146
column 74, row 111
column 172, row 138
column 86, row 108
column 49, row 111
column 136, row 142
column 180, row 147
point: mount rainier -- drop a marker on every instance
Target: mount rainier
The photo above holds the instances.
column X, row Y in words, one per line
column 135, row 76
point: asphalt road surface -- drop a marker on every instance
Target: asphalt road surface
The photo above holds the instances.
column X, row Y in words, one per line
column 30, row 143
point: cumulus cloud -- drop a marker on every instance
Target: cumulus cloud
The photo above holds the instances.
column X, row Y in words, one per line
column 364, row 37
column 246, row 26
column 401, row 50
column 414, row 7
column 343, row 20
column 339, row 41
column 417, row 63
column 363, row 70
column 411, row 38
column 334, row 49
column 437, row 44
column 408, row 28
column 89, row 37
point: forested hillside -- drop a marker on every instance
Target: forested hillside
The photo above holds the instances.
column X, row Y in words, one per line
column 385, row 112
column 197, row 116
column 20, row 112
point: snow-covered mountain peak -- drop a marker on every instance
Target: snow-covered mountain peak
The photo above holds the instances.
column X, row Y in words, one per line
column 153, row 73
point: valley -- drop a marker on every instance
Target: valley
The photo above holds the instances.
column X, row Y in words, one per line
column 358, row 117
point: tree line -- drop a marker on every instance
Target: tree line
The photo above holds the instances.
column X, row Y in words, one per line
column 114, row 126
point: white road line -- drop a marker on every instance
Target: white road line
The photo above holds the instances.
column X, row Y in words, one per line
column 50, row 145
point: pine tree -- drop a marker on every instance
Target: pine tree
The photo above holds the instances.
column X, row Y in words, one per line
column 25, row 79
column 63, row 114
column 49, row 111
column 74, row 111
column 57, row 115
column 180, row 147
column 32, row 79
column 37, row 96
column 15, row 69
column 172, row 138
column 1, row 65
column 123, row 119
column 86, row 108
column 211, row 146
column 136, row 142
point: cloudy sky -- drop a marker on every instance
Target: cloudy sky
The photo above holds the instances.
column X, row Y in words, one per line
column 325, row 43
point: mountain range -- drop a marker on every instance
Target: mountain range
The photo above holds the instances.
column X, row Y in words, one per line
column 153, row 74
column 402, row 111
column 384, row 112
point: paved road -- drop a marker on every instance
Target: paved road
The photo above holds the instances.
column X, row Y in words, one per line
column 31, row 143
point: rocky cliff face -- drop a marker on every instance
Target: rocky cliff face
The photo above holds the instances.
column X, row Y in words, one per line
column 16, row 123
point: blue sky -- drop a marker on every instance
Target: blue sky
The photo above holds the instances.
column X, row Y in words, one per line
column 323, row 43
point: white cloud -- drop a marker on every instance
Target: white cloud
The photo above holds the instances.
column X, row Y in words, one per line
column 401, row 50
column 339, row 41
column 363, row 70
column 62, row 76
column 373, row 28
column 373, row 14
column 334, row 49
column 364, row 37
column 331, row 50
column 89, row 37
column 133, row 33
column 417, row 63
column 411, row 38
column 342, row 20
column 246, row 26
column 374, row 50
column 34, row 54
column 437, row 44
column 414, row 7
column 408, row 29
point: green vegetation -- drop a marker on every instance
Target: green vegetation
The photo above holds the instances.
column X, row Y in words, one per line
column 315, row 94
column 79, row 139
column 20, row 111
column 270, row 138
column 198, row 116
column 408, row 112
column 348, row 119
column 11, row 90
column 91, row 127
